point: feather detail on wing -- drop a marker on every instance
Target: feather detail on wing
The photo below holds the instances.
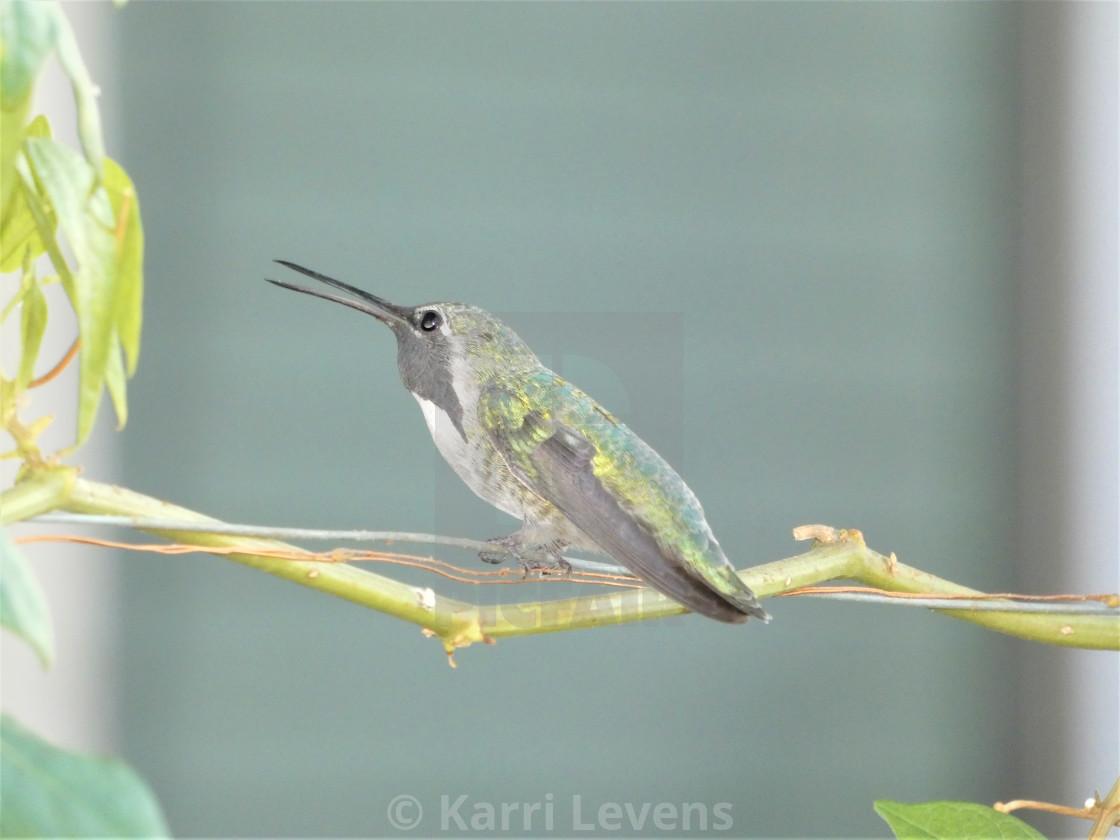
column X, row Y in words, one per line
column 558, row 463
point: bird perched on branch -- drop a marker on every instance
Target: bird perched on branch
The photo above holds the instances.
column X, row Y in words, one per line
column 538, row 448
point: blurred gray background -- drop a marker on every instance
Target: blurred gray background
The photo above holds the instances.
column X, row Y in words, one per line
column 812, row 253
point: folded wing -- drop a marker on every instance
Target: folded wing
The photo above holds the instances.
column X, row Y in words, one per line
column 557, row 462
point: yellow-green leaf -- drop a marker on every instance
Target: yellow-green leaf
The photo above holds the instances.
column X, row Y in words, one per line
column 12, row 120
column 33, row 323
column 86, row 217
column 11, row 141
column 46, row 224
column 85, row 91
column 51, row 792
column 18, row 231
column 129, row 236
column 27, row 34
column 23, row 609
column 115, row 380
column 28, row 30
column 19, row 234
column 40, row 127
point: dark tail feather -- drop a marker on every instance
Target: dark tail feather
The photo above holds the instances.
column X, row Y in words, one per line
column 692, row 592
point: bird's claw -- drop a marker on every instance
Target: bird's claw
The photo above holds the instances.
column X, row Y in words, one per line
column 507, row 547
column 555, row 561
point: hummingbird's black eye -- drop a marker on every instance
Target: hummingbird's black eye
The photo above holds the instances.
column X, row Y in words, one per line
column 430, row 320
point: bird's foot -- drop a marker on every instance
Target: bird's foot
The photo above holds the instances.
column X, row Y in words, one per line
column 511, row 546
column 504, row 547
column 552, row 562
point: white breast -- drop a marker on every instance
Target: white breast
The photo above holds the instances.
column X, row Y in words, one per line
column 467, row 459
column 447, row 438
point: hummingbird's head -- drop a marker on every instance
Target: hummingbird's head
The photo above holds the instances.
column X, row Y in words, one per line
column 436, row 342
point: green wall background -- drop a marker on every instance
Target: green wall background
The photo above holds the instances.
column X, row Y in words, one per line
column 777, row 238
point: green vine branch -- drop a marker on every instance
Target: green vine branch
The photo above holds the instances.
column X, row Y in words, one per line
column 457, row 623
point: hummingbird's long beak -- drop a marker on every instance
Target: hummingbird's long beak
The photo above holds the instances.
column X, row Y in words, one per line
column 382, row 310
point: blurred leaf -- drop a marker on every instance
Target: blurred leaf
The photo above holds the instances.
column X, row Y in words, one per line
column 23, row 609
column 40, row 127
column 86, row 217
column 33, row 323
column 18, row 231
column 49, row 792
column 12, row 121
column 115, row 381
column 46, row 223
column 951, row 821
column 18, row 234
column 28, row 31
column 85, row 91
column 130, row 259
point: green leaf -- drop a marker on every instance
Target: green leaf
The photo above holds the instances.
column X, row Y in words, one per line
column 18, row 230
column 33, row 323
column 86, row 217
column 46, row 223
column 18, row 233
column 28, row 30
column 27, row 34
column 130, row 261
column 115, row 381
column 12, row 121
column 40, row 127
column 952, row 821
column 23, row 609
column 85, row 91
column 50, row 792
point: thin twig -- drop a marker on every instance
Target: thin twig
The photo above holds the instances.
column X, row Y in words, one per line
column 430, row 564
column 979, row 604
column 1089, row 813
column 59, row 368
column 142, row 523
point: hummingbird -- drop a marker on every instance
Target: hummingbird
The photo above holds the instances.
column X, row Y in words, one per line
column 537, row 447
